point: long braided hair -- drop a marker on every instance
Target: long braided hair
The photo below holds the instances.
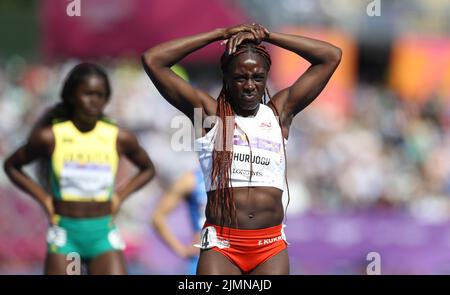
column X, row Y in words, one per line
column 223, row 202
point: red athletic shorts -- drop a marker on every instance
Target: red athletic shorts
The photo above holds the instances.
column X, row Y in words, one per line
column 246, row 248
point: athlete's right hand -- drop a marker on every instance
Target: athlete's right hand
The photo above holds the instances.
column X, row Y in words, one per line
column 254, row 32
column 231, row 31
column 49, row 208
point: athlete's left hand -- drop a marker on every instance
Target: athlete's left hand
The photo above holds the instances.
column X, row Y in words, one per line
column 188, row 251
column 258, row 34
column 115, row 204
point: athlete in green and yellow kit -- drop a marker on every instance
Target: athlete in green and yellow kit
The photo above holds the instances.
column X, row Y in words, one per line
column 78, row 151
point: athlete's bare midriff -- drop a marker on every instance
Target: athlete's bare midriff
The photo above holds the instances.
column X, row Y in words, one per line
column 82, row 209
column 256, row 208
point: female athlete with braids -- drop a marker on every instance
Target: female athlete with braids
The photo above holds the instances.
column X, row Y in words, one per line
column 243, row 154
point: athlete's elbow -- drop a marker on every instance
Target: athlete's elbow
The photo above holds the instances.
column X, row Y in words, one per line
column 155, row 220
column 148, row 60
column 334, row 55
column 328, row 55
column 8, row 167
column 150, row 171
column 148, row 56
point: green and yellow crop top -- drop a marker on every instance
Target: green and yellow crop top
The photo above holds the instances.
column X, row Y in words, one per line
column 84, row 164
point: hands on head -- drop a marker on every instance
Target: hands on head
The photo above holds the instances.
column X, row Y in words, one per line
column 235, row 35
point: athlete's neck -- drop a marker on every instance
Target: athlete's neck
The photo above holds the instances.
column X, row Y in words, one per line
column 246, row 113
column 84, row 124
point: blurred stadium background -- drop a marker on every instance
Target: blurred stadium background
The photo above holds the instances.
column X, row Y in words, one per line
column 369, row 160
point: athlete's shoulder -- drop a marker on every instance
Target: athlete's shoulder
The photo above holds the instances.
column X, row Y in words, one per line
column 125, row 134
column 42, row 139
column 127, row 141
column 109, row 121
column 43, row 133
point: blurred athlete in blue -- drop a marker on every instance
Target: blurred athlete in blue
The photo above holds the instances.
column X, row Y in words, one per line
column 191, row 188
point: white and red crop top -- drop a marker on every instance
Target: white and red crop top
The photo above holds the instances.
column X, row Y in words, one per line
column 267, row 152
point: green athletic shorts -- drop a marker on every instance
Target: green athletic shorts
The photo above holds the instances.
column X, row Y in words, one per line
column 89, row 237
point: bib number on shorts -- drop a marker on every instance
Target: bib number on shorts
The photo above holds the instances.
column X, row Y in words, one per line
column 56, row 236
column 209, row 239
